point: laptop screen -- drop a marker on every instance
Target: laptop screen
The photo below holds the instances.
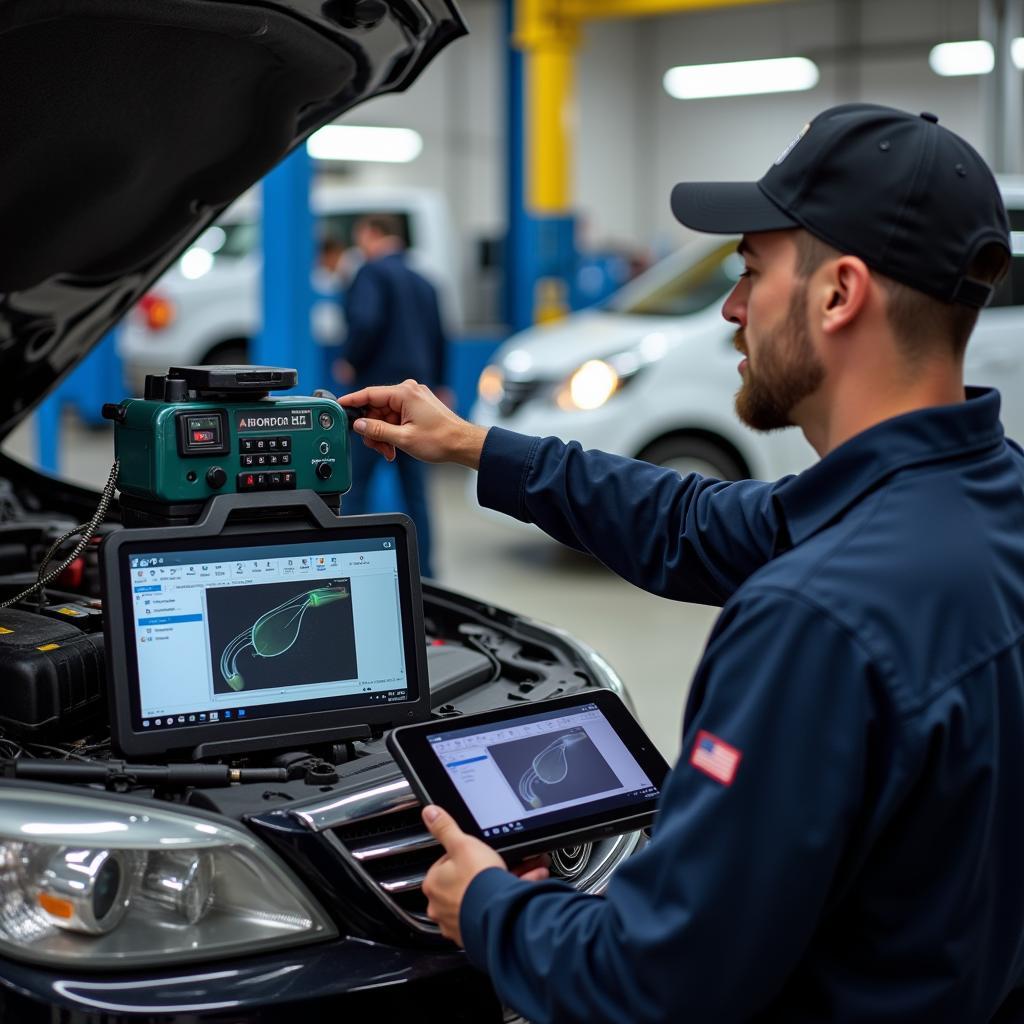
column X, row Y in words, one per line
column 226, row 634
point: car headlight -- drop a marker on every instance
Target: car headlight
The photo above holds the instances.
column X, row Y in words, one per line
column 491, row 386
column 104, row 882
column 592, row 384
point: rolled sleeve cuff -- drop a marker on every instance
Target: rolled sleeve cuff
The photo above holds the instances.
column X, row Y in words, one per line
column 504, row 464
column 485, row 887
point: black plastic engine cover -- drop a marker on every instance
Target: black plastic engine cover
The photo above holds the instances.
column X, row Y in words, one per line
column 53, row 676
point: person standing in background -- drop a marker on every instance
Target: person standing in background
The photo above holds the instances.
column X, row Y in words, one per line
column 394, row 333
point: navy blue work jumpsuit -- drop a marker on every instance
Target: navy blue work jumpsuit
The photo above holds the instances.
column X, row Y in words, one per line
column 863, row 859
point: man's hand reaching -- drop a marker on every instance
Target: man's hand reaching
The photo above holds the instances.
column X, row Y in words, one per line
column 411, row 417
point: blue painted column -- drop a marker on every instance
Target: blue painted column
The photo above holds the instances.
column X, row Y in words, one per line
column 97, row 379
column 48, row 433
column 540, row 249
column 289, row 244
column 518, row 277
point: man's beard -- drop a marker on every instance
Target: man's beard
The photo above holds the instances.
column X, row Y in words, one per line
column 788, row 370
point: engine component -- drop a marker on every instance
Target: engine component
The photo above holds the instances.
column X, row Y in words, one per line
column 53, row 675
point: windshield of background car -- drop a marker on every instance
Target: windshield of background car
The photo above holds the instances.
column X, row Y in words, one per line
column 239, row 239
column 686, row 282
column 236, row 239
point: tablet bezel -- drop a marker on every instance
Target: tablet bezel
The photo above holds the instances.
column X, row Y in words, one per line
column 262, row 733
column 432, row 784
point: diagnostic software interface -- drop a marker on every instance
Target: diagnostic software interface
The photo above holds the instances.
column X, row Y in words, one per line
column 229, row 634
column 541, row 769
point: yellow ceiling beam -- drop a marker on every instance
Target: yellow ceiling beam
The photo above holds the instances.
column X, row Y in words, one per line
column 583, row 10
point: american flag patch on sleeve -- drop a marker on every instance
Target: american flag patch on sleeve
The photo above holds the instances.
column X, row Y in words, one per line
column 715, row 758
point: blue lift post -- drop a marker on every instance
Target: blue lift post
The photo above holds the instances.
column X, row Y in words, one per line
column 288, row 243
column 48, row 433
column 289, row 247
column 540, row 251
column 97, row 379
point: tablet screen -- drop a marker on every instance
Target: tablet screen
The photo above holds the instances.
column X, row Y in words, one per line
column 256, row 639
column 542, row 769
column 231, row 633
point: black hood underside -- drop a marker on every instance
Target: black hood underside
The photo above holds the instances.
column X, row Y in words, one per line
column 128, row 125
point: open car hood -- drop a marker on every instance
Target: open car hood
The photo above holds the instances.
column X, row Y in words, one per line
column 128, row 125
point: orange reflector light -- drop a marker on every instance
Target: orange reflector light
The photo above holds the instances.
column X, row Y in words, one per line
column 157, row 312
column 56, row 906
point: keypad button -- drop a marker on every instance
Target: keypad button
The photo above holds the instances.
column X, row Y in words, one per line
column 275, row 480
column 261, row 460
column 271, row 444
column 273, row 460
column 288, row 479
column 246, row 443
column 286, row 459
column 246, row 460
column 247, row 481
column 285, row 443
column 261, row 444
column 261, row 481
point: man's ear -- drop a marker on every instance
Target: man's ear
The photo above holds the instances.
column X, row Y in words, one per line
column 846, row 288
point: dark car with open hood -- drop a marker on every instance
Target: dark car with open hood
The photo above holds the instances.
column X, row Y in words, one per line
column 178, row 853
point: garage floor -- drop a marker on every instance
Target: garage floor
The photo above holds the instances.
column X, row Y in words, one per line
column 653, row 643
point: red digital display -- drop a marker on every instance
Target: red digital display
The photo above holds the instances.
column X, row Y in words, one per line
column 203, row 436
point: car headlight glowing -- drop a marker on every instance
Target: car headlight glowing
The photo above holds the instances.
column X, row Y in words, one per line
column 590, row 386
column 491, row 386
column 84, row 879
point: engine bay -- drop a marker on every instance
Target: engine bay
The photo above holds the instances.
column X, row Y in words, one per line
column 52, row 656
column 292, row 761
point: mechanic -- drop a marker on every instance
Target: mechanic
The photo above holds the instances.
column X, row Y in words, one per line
column 841, row 838
column 394, row 331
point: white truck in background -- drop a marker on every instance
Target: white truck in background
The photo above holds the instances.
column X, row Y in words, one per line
column 206, row 308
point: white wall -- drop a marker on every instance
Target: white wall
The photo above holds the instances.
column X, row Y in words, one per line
column 738, row 138
column 610, row 117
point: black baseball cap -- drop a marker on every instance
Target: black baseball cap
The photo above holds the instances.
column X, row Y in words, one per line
column 909, row 197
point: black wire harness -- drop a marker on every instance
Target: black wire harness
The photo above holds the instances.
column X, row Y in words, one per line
column 87, row 530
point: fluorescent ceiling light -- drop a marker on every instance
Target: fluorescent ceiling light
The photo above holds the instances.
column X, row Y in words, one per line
column 354, row 142
column 741, row 78
column 1017, row 53
column 970, row 57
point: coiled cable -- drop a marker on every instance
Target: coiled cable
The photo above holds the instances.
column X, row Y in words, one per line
column 87, row 530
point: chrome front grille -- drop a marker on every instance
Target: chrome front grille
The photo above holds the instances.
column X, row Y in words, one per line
column 517, row 393
column 380, row 834
column 395, row 851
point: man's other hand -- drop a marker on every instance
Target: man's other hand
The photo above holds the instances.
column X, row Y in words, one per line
column 411, row 417
column 464, row 858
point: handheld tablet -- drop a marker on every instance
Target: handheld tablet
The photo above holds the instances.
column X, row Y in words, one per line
column 540, row 776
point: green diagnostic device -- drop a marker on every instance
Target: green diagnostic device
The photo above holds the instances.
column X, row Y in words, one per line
column 201, row 431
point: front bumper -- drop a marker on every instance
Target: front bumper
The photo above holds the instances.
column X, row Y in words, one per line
column 313, row 983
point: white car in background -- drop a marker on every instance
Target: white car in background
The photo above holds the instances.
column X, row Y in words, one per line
column 652, row 373
column 206, row 308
